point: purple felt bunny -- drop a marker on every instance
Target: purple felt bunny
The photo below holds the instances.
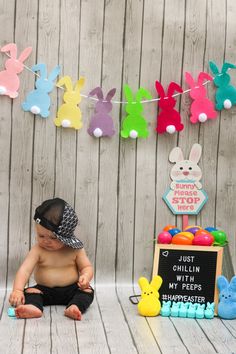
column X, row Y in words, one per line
column 101, row 122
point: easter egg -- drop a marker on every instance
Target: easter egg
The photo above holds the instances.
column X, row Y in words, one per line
column 187, row 234
column 203, row 238
column 181, row 240
column 169, row 227
column 164, row 237
column 210, row 228
column 174, row 231
column 220, row 238
column 192, row 228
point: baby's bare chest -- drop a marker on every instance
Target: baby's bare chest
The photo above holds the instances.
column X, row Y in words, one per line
column 57, row 259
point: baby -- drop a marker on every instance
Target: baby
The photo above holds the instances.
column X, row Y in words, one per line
column 61, row 267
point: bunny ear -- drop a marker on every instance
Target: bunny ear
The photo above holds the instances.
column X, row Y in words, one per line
column 233, row 284
column 203, row 76
column 160, row 89
column 213, row 67
column 110, row 94
column 176, row 155
column 189, row 79
column 156, row 282
column 79, row 84
column 143, row 282
column 222, row 282
column 227, row 66
column 128, row 93
column 25, row 54
column 173, row 86
column 195, row 153
column 66, row 81
column 42, row 68
column 54, row 73
column 12, row 48
column 97, row 91
column 142, row 93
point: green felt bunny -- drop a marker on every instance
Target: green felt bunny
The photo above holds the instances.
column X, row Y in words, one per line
column 226, row 93
column 134, row 125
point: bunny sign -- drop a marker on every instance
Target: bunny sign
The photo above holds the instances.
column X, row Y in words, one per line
column 185, row 195
column 9, row 81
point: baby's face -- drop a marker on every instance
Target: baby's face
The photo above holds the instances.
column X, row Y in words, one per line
column 47, row 240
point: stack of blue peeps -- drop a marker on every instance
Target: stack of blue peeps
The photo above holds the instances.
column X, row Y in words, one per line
column 187, row 310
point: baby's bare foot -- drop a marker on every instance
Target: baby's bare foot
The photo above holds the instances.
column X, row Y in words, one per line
column 73, row 312
column 27, row 311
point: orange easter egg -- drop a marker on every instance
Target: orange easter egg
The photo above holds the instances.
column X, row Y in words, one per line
column 181, row 240
column 169, row 227
column 187, row 234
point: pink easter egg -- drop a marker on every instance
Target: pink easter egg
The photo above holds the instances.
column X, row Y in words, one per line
column 164, row 237
column 203, row 238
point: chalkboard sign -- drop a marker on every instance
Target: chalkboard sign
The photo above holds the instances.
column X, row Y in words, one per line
column 189, row 272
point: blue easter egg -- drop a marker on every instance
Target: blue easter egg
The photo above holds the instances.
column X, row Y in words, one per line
column 210, row 228
column 174, row 231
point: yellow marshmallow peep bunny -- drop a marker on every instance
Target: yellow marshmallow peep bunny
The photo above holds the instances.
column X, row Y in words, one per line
column 149, row 305
column 69, row 114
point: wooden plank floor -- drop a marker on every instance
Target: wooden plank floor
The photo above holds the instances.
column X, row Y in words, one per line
column 112, row 325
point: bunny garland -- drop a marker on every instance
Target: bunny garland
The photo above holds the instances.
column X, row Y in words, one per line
column 134, row 125
column 202, row 108
column 69, row 115
column 38, row 100
column 226, row 93
column 101, row 123
column 9, row 80
column 169, row 120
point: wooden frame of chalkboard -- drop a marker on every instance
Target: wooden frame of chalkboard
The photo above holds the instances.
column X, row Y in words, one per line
column 189, row 273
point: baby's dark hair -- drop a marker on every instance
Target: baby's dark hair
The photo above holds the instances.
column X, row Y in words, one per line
column 51, row 211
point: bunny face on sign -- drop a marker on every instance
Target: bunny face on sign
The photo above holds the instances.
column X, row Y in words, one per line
column 186, row 170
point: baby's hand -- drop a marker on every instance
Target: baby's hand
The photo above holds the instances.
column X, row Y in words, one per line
column 17, row 298
column 83, row 282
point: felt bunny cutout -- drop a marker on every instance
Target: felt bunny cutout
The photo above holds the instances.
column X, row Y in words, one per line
column 101, row 122
column 9, row 81
column 69, row 114
column 186, row 170
column 226, row 93
column 202, row 108
column 227, row 297
column 38, row 101
column 134, row 125
column 149, row 305
column 169, row 119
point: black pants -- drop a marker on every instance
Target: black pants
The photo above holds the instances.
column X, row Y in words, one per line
column 66, row 295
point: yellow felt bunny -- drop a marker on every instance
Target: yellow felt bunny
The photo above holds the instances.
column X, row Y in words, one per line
column 69, row 114
column 149, row 305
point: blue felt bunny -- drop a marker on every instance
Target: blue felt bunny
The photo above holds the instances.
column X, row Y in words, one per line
column 227, row 298
column 38, row 100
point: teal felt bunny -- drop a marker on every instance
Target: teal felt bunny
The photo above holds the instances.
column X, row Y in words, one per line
column 226, row 93
column 134, row 125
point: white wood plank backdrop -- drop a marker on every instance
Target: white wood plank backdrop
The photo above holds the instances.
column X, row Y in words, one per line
column 116, row 185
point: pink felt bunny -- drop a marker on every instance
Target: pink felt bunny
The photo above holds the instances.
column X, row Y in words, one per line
column 101, row 123
column 169, row 119
column 202, row 108
column 9, row 81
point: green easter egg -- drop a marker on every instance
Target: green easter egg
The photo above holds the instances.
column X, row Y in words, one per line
column 220, row 237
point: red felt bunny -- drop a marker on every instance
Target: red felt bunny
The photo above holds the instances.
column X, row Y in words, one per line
column 202, row 108
column 169, row 120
